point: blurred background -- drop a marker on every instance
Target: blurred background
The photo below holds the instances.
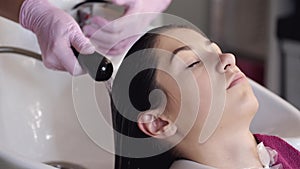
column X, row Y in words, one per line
column 261, row 34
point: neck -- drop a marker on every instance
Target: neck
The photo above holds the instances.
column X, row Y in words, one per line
column 231, row 151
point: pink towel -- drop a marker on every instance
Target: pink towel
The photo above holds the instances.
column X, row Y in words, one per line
column 288, row 156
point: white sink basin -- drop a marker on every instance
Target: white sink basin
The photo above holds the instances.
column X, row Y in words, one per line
column 37, row 117
column 38, row 122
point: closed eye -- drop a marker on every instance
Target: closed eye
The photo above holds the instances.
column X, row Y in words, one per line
column 194, row 64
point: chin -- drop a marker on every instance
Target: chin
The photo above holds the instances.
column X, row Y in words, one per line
column 242, row 101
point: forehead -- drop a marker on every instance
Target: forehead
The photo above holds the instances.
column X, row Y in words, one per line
column 172, row 39
column 176, row 38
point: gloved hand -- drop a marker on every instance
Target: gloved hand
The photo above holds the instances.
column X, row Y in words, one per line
column 112, row 37
column 56, row 31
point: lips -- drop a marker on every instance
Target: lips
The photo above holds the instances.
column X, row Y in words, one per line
column 236, row 78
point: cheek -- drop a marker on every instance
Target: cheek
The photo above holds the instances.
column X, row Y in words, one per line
column 205, row 93
column 171, row 90
column 204, row 88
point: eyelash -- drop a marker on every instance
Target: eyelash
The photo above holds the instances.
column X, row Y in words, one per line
column 193, row 64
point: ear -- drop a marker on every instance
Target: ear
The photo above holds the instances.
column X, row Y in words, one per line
column 156, row 126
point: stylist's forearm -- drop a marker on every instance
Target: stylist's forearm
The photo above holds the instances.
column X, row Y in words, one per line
column 10, row 9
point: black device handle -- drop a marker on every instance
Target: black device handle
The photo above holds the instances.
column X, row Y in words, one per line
column 98, row 67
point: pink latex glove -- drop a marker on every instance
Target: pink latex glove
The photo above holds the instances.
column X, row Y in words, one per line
column 56, row 31
column 112, row 37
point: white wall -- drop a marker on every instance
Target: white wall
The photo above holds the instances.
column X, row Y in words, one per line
column 279, row 8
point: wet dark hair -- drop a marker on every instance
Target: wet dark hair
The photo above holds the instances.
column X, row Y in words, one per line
column 134, row 83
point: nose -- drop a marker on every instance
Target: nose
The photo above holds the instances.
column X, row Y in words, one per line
column 227, row 61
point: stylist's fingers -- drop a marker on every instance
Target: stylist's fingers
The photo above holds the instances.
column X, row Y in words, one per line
column 128, row 25
column 49, row 56
column 81, row 43
column 98, row 20
column 89, row 30
column 114, row 26
column 105, row 38
column 113, row 36
column 52, row 63
column 96, row 23
column 69, row 60
column 118, row 48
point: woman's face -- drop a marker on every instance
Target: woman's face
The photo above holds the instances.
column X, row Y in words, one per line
column 198, row 76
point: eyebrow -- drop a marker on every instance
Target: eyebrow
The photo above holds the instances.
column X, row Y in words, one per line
column 182, row 48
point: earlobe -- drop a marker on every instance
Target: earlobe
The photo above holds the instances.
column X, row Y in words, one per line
column 158, row 127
